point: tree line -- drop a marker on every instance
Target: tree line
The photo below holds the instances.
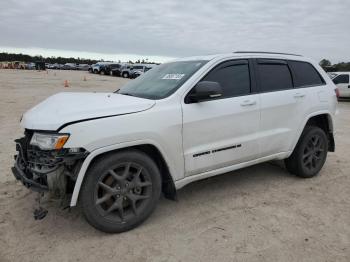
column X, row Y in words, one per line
column 10, row 57
column 329, row 67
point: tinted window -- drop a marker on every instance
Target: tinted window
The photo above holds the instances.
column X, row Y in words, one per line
column 304, row 74
column 341, row 79
column 233, row 78
column 274, row 77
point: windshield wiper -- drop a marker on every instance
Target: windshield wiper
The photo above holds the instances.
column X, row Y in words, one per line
column 127, row 94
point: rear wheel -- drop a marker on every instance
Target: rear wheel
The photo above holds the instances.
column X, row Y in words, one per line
column 126, row 75
column 310, row 153
column 121, row 191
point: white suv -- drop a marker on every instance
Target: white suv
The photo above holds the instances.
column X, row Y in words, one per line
column 180, row 122
column 342, row 81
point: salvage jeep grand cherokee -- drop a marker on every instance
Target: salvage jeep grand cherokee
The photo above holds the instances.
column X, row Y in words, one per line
column 182, row 121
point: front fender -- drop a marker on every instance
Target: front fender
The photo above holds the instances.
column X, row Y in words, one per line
column 99, row 151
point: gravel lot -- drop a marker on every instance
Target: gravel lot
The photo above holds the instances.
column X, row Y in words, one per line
column 259, row 213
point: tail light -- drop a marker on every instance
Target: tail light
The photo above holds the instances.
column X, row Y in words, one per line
column 337, row 92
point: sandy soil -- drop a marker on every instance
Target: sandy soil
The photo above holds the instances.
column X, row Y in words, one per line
column 259, row 213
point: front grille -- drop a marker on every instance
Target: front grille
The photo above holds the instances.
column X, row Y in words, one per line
column 40, row 159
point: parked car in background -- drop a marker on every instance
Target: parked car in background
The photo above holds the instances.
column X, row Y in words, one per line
column 69, row 66
column 183, row 121
column 332, row 74
column 126, row 70
column 30, row 66
column 341, row 80
column 139, row 70
column 116, row 71
column 106, row 69
column 129, row 69
column 84, row 67
column 96, row 68
column 54, row 66
column 90, row 68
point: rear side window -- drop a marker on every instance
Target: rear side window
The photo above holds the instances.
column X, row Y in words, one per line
column 304, row 74
column 233, row 77
column 274, row 76
column 341, row 79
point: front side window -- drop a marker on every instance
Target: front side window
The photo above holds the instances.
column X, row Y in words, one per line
column 274, row 76
column 304, row 74
column 341, row 79
column 233, row 76
column 162, row 80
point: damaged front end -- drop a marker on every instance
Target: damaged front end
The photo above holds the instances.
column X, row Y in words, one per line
column 51, row 170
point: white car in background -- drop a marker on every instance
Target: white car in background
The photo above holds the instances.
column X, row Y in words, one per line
column 182, row 121
column 96, row 68
column 342, row 81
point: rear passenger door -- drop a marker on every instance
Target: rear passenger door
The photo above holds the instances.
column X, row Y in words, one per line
column 282, row 106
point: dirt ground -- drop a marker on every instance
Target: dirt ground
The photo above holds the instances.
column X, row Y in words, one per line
column 259, row 213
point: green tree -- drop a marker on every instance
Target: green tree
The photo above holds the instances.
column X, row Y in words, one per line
column 325, row 63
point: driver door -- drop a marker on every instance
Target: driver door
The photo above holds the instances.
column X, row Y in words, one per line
column 222, row 131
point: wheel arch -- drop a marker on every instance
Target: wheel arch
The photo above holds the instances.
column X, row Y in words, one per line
column 323, row 120
column 152, row 150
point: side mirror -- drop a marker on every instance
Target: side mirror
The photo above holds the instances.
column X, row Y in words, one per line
column 204, row 90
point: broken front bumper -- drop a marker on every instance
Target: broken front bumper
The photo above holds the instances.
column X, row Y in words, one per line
column 26, row 181
column 39, row 169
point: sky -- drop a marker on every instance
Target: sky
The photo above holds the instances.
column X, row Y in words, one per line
column 161, row 30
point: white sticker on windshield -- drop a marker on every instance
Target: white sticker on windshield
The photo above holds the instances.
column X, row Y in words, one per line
column 173, row 76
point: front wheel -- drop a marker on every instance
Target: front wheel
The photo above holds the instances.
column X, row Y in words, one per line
column 309, row 154
column 126, row 75
column 121, row 191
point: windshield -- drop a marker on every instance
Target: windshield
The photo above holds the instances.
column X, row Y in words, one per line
column 162, row 80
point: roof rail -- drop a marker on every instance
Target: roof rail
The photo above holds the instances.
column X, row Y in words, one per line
column 262, row 52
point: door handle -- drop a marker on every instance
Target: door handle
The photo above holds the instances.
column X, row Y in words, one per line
column 299, row 95
column 248, row 103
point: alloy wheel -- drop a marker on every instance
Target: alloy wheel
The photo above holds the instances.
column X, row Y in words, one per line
column 313, row 153
column 122, row 192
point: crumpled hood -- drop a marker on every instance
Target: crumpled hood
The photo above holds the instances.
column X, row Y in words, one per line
column 64, row 108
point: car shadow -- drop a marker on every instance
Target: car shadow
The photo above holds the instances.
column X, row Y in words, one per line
column 219, row 189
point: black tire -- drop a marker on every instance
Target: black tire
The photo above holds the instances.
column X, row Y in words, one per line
column 309, row 154
column 125, row 75
column 122, row 208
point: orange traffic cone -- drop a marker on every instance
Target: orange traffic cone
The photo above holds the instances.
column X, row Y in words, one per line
column 66, row 83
